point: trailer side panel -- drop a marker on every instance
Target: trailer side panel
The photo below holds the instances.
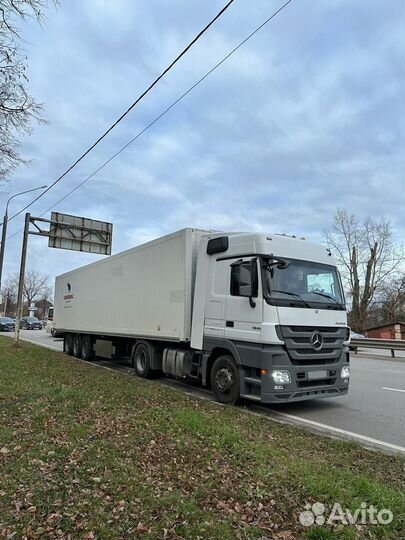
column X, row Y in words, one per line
column 146, row 291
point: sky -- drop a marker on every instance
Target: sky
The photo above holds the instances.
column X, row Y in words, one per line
column 307, row 117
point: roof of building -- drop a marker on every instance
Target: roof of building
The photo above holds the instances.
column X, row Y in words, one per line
column 385, row 325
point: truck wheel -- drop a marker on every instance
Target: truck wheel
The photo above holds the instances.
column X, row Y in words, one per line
column 87, row 348
column 77, row 345
column 68, row 344
column 142, row 360
column 225, row 380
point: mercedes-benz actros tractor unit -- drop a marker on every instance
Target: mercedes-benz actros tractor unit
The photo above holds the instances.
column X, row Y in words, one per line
column 251, row 315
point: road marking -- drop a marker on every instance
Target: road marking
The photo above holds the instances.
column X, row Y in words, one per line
column 392, row 389
column 344, row 432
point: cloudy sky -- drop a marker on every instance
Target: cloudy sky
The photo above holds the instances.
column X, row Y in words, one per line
column 306, row 118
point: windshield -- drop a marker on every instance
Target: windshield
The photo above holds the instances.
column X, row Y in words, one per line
column 304, row 283
column 6, row 320
column 32, row 319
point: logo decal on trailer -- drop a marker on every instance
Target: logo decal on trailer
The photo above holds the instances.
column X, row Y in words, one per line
column 68, row 297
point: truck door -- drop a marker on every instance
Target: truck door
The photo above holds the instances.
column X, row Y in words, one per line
column 218, row 285
column 244, row 304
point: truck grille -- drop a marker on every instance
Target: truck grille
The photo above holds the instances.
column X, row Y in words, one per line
column 300, row 350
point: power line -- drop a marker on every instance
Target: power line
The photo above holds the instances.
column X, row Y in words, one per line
column 163, row 113
column 138, row 99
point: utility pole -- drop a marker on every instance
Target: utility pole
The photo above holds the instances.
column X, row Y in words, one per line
column 3, row 247
column 22, row 276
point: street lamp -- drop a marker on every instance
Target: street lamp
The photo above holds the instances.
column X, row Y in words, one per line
column 5, row 220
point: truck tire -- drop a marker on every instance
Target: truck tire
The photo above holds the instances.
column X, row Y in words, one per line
column 68, row 344
column 77, row 345
column 225, row 381
column 87, row 352
column 142, row 360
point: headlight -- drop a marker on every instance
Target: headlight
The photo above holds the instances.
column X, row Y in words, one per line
column 281, row 376
column 345, row 373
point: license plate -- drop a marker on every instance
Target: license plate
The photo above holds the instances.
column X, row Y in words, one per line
column 317, row 375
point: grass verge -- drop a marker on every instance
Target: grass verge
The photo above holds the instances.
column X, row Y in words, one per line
column 86, row 453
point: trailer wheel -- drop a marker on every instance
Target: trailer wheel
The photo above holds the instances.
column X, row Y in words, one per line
column 225, row 380
column 142, row 359
column 77, row 345
column 68, row 344
column 87, row 352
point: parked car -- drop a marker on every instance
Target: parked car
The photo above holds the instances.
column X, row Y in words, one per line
column 30, row 323
column 6, row 324
column 354, row 335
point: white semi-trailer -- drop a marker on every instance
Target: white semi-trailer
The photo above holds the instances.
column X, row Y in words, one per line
column 251, row 315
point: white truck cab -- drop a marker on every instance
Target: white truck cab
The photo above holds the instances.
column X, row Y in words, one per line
column 276, row 304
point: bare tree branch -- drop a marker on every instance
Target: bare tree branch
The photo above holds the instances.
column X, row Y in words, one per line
column 18, row 109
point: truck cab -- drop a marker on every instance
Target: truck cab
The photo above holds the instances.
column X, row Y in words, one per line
column 275, row 306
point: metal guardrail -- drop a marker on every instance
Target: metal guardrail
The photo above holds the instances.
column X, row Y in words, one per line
column 373, row 343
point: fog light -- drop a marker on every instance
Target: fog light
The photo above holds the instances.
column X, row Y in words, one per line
column 281, row 376
column 345, row 373
column 279, row 387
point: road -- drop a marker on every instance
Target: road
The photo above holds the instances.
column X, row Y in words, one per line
column 373, row 413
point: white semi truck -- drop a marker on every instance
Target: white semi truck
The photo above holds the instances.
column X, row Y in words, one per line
column 251, row 315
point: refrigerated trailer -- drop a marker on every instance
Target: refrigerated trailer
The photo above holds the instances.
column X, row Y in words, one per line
column 251, row 315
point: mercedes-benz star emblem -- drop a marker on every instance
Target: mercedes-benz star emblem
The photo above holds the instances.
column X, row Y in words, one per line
column 316, row 341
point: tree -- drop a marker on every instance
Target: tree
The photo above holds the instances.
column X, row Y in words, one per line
column 9, row 297
column 368, row 257
column 391, row 304
column 36, row 286
column 18, row 109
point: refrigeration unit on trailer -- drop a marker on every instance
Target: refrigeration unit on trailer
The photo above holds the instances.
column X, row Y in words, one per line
column 251, row 315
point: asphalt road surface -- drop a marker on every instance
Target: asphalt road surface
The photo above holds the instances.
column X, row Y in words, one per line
column 373, row 413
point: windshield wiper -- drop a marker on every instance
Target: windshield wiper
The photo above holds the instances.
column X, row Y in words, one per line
column 293, row 294
column 330, row 298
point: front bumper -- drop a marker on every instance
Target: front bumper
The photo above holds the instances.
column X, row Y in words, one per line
column 302, row 395
column 302, row 387
column 312, row 378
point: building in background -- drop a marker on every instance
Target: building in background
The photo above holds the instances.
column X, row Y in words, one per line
column 395, row 330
